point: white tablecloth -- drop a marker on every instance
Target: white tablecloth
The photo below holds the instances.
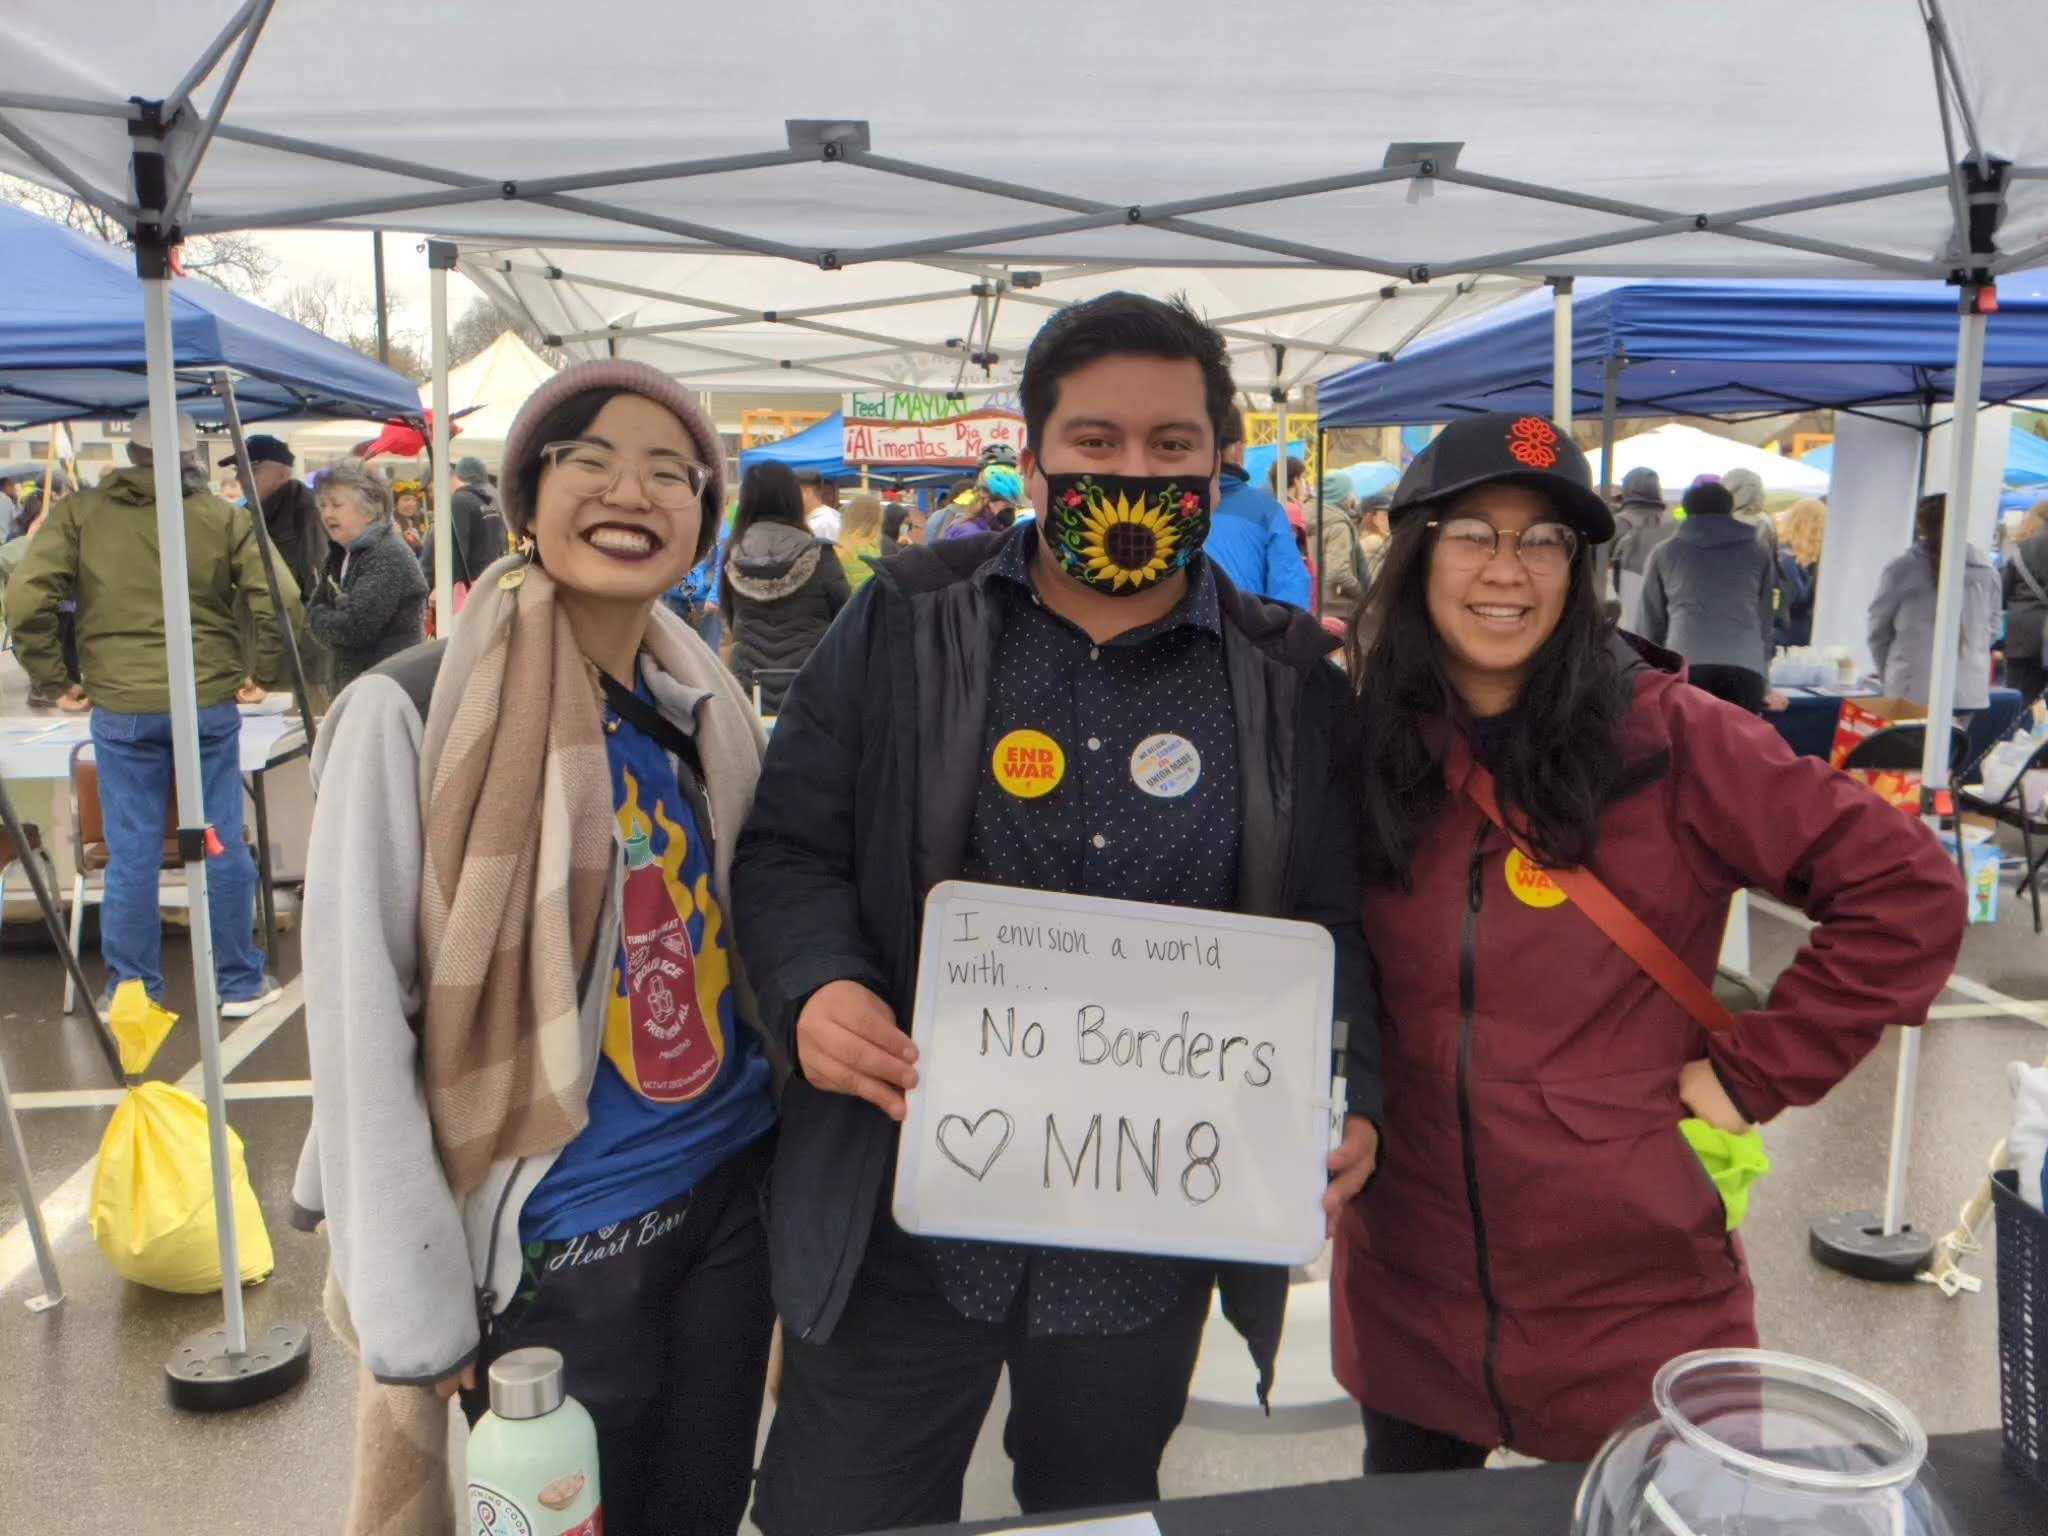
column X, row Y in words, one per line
column 39, row 746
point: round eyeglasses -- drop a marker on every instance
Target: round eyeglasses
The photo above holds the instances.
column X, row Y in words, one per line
column 1469, row 543
column 591, row 470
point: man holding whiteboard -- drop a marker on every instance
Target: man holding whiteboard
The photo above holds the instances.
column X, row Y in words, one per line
column 1084, row 705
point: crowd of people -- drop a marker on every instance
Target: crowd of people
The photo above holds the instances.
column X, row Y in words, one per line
column 662, row 988
column 608, row 990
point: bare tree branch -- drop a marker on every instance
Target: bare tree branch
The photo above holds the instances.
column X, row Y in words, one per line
column 237, row 263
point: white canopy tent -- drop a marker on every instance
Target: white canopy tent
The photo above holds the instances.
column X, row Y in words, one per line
column 1680, row 454
column 485, row 393
column 1837, row 138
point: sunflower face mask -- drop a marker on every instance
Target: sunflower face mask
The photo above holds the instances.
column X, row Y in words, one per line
column 1124, row 533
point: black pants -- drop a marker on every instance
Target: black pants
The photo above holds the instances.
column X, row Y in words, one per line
column 2030, row 677
column 1738, row 685
column 1395, row 1445
column 874, row 1428
column 663, row 1326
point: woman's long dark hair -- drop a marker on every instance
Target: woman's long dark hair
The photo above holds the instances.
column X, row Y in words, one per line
column 1556, row 772
column 769, row 494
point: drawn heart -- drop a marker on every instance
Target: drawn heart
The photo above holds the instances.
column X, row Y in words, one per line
column 970, row 1138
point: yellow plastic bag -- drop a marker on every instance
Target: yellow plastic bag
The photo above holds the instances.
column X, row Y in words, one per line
column 139, row 1026
column 152, row 1197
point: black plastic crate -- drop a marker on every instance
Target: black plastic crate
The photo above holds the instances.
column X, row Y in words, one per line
column 2022, row 1328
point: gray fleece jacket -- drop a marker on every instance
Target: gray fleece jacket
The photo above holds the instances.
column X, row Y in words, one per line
column 417, row 1266
column 1708, row 594
column 1902, row 627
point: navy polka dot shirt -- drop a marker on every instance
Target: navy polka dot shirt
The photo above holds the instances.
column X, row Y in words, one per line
column 1147, row 809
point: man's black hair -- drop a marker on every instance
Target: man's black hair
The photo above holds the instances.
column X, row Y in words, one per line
column 1122, row 325
column 1233, row 430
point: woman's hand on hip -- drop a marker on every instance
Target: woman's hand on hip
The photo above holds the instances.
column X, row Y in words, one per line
column 847, row 1042
column 1350, row 1166
column 1699, row 1086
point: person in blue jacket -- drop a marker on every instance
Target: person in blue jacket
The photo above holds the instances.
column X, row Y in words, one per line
column 1250, row 539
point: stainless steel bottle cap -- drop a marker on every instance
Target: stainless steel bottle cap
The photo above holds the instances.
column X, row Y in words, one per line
column 527, row 1383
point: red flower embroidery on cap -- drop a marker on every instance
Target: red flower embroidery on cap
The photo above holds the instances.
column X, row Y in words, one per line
column 1534, row 441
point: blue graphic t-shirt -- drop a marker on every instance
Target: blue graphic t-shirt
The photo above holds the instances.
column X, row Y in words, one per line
column 681, row 1084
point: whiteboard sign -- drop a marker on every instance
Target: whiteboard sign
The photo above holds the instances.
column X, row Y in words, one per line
column 1111, row 1074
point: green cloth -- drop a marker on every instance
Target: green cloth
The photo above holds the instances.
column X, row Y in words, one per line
column 1733, row 1162
column 99, row 546
column 854, row 557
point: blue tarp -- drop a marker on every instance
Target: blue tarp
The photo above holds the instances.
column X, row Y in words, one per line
column 2026, row 461
column 71, row 342
column 1706, row 349
column 821, row 449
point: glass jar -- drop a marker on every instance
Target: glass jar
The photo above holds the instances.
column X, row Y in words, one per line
column 1744, row 1442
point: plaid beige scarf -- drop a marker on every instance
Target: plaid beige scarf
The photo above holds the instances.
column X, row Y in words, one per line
column 518, row 833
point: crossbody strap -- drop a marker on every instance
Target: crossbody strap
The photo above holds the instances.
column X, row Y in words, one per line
column 2020, row 564
column 1607, row 912
column 651, row 723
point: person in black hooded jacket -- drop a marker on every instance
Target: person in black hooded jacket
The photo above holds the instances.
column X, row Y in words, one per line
column 783, row 585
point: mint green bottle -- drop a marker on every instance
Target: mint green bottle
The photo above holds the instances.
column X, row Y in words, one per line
column 533, row 1457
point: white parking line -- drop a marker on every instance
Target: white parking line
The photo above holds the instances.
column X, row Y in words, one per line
column 107, row 1098
column 65, row 1206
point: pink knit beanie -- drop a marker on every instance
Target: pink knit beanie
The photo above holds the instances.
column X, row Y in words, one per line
column 611, row 373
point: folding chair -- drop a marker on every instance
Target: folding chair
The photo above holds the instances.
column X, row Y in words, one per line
column 90, row 855
column 1902, row 748
column 12, row 860
column 2010, row 809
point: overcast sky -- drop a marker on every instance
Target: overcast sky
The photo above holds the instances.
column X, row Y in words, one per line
column 307, row 254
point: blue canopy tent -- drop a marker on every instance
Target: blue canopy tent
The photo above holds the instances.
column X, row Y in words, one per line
column 71, row 342
column 1705, row 349
column 820, row 449
column 2026, row 461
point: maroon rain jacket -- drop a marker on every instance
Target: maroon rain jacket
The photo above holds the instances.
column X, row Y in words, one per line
column 1539, row 1238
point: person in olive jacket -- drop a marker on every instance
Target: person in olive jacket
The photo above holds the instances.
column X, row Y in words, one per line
column 100, row 547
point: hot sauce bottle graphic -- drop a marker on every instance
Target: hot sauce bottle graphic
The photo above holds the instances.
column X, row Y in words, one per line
column 674, row 1055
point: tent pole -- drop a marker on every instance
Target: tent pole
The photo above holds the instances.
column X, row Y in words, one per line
column 440, row 257
column 1561, row 352
column 246, row 472
column 1941, row 690
column 214, row 1369
column 383, row 306
column 1322, row 467
column 193, row 829
column 1610, row 377
column 24, row 1185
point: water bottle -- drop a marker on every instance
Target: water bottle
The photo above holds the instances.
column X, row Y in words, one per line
column 533, row 1457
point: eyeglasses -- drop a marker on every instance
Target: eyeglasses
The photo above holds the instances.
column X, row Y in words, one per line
column 591, row 470
column 1469, row 543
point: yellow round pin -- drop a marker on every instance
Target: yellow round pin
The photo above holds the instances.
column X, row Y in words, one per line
column 1531, row 886
column 1029, row 764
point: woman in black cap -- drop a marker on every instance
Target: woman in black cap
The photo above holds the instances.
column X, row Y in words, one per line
column 1554, row 823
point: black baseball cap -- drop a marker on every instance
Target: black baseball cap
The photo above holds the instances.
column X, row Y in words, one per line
column 264, row 449
column 1499, row 448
